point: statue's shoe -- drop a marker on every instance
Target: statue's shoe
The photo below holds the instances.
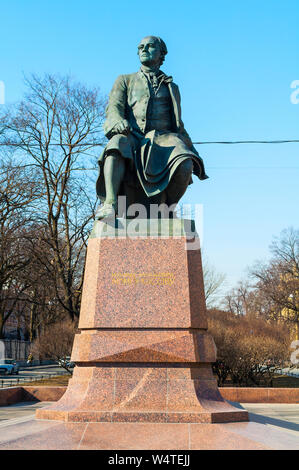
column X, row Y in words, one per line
column 106, row 211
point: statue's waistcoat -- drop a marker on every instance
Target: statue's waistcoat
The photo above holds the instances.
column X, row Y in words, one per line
column 130, row 98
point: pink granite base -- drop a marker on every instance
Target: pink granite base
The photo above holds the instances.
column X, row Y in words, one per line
column 143, row 394
column 144, row 353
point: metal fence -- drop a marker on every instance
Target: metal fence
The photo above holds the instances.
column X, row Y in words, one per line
column 6, row 382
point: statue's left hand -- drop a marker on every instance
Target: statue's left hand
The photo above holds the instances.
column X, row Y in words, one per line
column 122, row 127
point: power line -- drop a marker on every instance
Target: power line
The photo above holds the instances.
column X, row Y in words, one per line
column 96, row 144
column 227, row 142
column 249, row 142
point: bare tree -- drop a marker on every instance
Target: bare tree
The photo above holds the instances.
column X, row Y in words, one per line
column 42, row 306
column 249, row 350
column 55, row 343
column 278, row 280
column 57, row 129
column 286, row 250
column 213, row 281
column 18, row 193
column 243, row 300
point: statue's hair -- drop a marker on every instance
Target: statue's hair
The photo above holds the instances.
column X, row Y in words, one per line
column 163, row 48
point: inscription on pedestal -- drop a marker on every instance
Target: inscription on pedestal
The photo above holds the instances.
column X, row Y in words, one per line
column 148, row 279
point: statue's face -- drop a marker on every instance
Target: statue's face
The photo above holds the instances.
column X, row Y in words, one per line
column 149, row 51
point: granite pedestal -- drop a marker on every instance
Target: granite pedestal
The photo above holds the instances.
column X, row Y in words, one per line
column 143, row 353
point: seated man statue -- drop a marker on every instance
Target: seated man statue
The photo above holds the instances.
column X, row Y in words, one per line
column 149, row 157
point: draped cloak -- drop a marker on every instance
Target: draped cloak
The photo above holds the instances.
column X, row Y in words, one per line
column 157, row 142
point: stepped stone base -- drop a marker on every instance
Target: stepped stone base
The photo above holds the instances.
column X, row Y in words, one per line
column 143, row 394
column 144, row 353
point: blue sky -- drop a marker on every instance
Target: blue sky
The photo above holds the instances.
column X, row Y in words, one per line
column 234, row 63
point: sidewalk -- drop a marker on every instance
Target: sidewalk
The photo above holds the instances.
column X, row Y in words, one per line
column 271, row 426
column 19, row 412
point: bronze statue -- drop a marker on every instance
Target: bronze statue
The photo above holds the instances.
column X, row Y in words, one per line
column 149, row 157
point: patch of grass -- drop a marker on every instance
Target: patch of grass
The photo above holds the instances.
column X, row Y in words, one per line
column 279, row 381
column 284, row 381
column 59, row 381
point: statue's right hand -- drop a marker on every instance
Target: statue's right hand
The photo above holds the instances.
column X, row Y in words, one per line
column 122, row 127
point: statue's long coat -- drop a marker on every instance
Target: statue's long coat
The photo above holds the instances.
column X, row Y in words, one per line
column 154, row 156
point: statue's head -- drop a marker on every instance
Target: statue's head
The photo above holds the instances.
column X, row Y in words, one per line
column 152, row 51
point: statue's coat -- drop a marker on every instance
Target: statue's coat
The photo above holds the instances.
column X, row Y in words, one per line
column 153, row 155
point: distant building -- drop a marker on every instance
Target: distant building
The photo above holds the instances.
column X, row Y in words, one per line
column 14, row 327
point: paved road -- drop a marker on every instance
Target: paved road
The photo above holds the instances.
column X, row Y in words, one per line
column 29, row 373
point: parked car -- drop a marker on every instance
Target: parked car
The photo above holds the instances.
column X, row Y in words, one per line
column 8, row 367
column 65, row 362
